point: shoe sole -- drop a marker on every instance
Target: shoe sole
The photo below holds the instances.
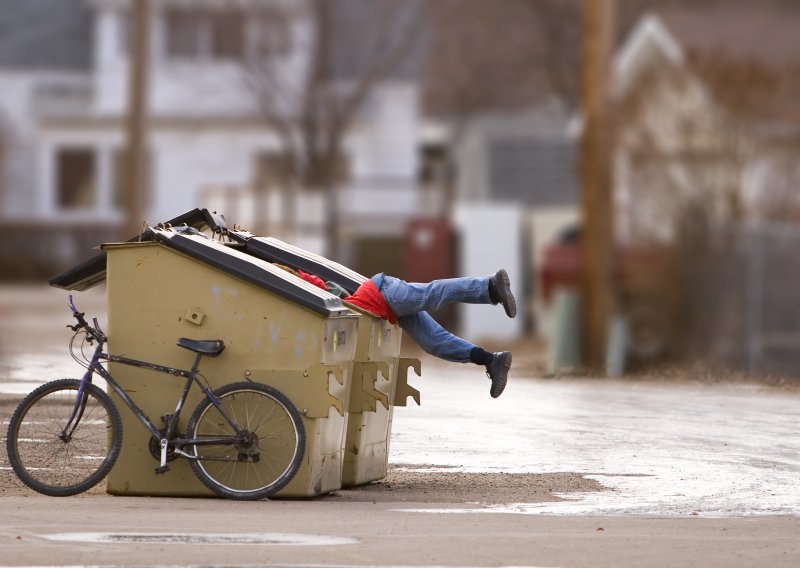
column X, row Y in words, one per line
column 507, row 297
column 499, row 386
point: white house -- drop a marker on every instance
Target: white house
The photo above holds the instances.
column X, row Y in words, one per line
column 62, row 119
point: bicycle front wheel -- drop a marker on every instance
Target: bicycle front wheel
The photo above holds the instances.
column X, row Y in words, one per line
column 261, row 455
column 56, row 462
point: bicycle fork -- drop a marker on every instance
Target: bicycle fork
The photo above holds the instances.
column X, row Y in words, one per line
column 80, row 405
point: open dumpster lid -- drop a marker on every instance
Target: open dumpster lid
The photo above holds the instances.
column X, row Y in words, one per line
column 275, row 250
column 254, row 270
column 93, row 271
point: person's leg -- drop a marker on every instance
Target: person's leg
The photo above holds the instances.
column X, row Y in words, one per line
column 409, row 298
column 437, row 341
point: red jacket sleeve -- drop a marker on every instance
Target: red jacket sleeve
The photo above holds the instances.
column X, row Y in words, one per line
column 315, row 280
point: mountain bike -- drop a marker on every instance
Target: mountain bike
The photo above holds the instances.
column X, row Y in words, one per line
column 244, row 440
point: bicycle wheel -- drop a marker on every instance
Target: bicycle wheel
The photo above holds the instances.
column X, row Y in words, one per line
column 55, row 464
column 268, row 448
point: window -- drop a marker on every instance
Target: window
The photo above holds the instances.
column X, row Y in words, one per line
column 227, row 35
column 533, row 171
column 204, row 34
column 76, row 182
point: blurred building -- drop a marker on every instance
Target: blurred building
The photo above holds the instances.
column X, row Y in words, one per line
column 521, row 167
column 706, row 163
column 708, row 123
column 706, row 129
column 64, row 78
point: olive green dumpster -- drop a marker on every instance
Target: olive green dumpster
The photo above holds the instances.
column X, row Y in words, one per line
column 379, row 384
column 379, row 375
column 277, row 330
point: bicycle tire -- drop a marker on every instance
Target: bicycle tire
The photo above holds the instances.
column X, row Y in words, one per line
column 53, row 466
column 245, row 470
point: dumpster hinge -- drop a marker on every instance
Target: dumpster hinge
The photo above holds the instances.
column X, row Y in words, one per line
column 364, row 395
column 402, row 389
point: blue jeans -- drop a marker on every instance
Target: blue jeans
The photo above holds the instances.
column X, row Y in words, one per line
column 411, row 301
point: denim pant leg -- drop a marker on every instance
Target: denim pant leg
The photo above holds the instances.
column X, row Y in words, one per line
column 435, row 339
column 410, row 298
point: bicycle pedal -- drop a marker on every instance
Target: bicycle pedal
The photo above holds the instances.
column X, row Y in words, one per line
column 162, row 469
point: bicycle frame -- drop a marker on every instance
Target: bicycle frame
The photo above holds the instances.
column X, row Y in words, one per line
column 95, row 366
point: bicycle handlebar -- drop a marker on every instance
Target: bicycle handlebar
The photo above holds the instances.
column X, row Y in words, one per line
column 92, row 332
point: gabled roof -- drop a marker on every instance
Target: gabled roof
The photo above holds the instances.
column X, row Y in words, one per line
column 46, row 35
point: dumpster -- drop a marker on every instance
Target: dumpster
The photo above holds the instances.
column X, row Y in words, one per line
column 380, row 382
column 379, row 375
column 277, row 330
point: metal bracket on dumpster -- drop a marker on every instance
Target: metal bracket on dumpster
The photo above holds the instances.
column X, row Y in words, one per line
column 364, row 394
column 402, row 389
column 308, row 390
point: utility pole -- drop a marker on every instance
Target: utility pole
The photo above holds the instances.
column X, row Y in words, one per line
column 138, row 85
column 597, row 207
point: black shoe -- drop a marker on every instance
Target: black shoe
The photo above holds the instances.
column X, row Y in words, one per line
column 497, row 370
column 500, row 292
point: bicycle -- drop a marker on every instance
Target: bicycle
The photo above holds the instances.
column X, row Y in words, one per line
column 244, row 440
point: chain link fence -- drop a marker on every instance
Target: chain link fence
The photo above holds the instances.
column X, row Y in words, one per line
column 742, row 302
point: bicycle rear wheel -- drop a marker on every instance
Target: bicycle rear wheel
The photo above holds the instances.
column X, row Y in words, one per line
column 269, row 445
column 57, row 464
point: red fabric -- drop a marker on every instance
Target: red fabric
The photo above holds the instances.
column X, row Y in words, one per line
column 368, row 298
column 315, row 280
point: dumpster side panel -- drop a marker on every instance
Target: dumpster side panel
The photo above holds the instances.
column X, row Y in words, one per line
column 370, row 422
column 157, row 295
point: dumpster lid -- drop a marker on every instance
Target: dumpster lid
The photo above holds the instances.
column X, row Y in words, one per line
column 91, row 272
column 275, row 250
column 254, row 270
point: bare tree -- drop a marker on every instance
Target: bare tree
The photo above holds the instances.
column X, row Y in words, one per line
column 350, row 48
column 499, row 56
column 490, row 56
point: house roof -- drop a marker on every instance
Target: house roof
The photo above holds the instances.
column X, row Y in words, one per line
column 46, row 34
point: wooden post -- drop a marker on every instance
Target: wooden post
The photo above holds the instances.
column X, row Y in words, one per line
column 596, row 148
column 139, row 66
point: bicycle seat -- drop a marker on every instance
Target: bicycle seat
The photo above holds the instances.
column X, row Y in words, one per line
column 211, row 347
